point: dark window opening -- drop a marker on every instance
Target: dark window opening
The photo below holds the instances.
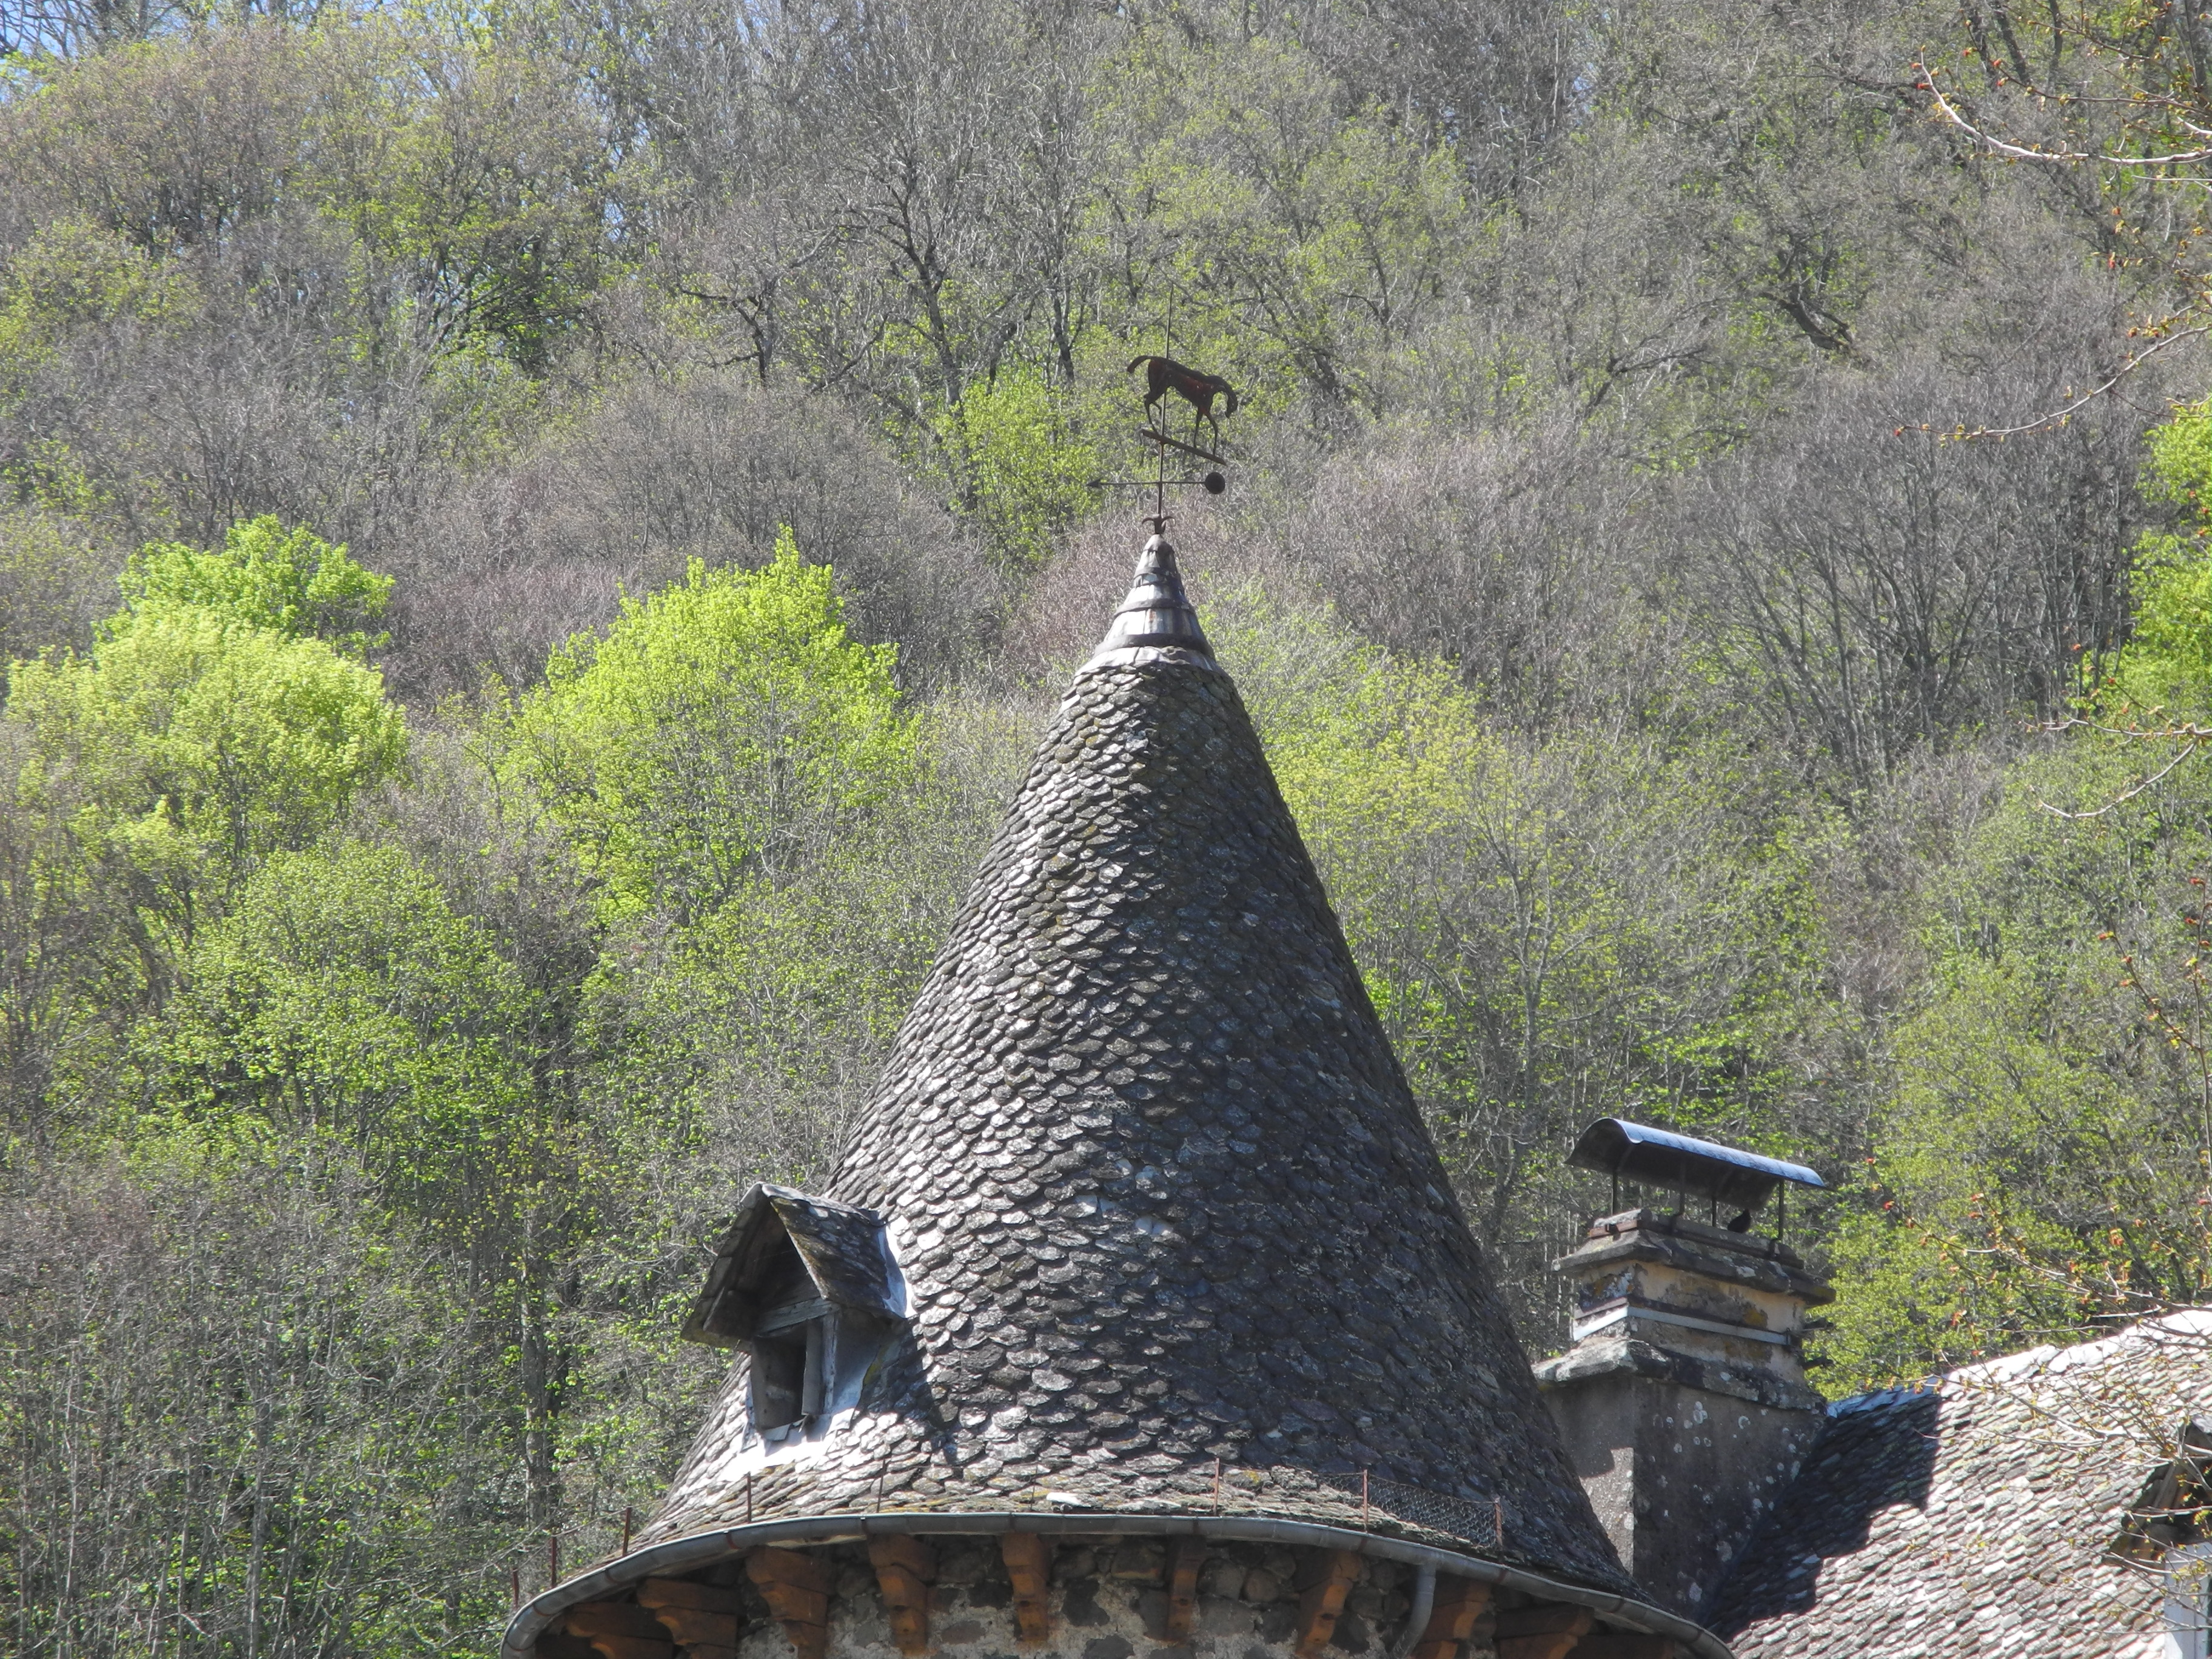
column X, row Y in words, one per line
column 790, row 1367
column 778, row 1377
column 809, row 1290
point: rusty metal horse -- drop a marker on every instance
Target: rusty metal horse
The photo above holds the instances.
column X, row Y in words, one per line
column 1198, row 390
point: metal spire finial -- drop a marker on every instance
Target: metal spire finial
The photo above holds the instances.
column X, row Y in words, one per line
column 1156, row 623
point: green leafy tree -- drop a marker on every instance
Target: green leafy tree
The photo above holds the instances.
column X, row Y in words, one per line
column 343, row 997
column 1021, row 466
column 201, row 742
column 476, row 166
column 71, row 274
column 722, row 730
column 2164, row 672
column 473, row 180
column 290, row 582
column 2043, row 1160
column 61, row 936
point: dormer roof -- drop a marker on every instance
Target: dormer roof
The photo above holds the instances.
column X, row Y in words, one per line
column 838, row 1248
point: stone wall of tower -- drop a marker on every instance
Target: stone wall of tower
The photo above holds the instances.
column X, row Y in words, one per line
column 1072, row 1595
column 1111, row 1596
column 1109, row 1600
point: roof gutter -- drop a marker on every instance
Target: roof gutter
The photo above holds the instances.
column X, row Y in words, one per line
column 682, row 1555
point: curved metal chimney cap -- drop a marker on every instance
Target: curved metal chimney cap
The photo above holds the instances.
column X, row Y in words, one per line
column 1681, row 1163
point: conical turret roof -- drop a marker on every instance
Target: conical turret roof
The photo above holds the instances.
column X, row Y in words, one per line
column 1171, row 1233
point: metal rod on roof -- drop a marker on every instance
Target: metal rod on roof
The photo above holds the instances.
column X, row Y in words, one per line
column 628, row 1513
column 514, row 1585
column 1363, row 1500
column 553, row 1556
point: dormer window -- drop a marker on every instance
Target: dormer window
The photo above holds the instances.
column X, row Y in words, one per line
column 2169, row 1530
column 807, row 1289
column 789, row 1368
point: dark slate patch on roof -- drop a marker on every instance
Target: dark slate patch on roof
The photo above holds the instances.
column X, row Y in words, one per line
column 1972, row 1518
column 1159, row 1190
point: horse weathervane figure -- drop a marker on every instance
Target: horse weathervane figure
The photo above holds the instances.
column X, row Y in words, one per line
column 1198, row 390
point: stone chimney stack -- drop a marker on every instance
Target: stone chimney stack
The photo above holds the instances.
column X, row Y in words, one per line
column 1683, row 1401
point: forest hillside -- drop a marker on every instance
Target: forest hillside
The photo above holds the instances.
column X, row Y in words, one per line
column 536, row 539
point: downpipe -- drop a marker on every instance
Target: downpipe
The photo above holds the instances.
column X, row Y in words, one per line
column 1424, row 1604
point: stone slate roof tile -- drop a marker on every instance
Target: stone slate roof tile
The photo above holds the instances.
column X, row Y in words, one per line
column 1974, row 1515
column 1175, row 1235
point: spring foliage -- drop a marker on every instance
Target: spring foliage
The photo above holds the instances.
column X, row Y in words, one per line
column 720, row 730
column 603, row 498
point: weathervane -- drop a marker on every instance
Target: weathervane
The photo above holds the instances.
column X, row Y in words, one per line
column 1198, row 389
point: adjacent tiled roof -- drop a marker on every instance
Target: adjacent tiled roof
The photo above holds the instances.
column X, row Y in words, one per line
column 1174, row 1233
column 1973, row 1517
